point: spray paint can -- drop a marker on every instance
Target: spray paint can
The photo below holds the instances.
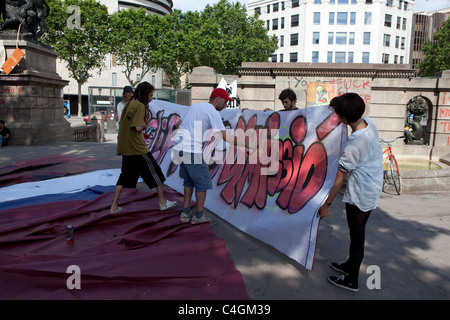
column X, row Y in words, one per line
column 69, row 234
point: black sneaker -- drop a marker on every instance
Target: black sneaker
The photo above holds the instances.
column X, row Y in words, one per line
column 342, row 282
column 338, row 267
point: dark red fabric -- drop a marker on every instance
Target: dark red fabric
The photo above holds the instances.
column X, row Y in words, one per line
column 47, row 168
column 141, row 253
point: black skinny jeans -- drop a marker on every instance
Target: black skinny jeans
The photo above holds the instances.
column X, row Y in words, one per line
column 356, row 220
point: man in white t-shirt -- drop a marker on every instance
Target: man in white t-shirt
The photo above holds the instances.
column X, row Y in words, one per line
column 126, row 96
column 188, row 151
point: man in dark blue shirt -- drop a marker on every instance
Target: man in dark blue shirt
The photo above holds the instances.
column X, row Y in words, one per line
column 5, row 133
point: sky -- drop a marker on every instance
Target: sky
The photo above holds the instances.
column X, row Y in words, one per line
column 199, row 5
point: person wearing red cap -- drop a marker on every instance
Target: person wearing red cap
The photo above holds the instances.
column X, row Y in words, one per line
column 188, row 152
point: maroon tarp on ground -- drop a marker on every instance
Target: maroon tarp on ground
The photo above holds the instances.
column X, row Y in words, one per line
column 47, row 168
column 141, row 253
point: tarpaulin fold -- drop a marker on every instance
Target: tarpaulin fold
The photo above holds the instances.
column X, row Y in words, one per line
column 47, row 168
column 140, row 253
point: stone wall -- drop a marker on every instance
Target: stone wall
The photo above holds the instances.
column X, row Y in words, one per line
column 31, row 103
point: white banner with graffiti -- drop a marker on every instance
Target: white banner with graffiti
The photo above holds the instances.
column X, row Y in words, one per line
column 274, row 192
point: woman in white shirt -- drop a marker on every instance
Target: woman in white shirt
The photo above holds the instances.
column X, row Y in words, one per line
column 362, row 164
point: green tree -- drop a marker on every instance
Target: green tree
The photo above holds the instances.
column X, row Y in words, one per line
column 222, row 36
column 437, row 53
column 177, row 45
column 78, row 31
column 229, row 37
column 133, row 40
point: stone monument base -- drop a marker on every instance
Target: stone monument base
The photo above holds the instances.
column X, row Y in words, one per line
column 31, row 101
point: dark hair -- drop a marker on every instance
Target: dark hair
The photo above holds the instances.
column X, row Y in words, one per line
column 288, row 93
column 142, row 91
column 2, row 122
column 349, row 106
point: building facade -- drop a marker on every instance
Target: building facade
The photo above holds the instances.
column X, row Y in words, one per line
column 424, row 27
column 338, row 31
column 112, row 75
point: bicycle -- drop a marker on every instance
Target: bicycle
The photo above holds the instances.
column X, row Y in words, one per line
column 394, row 178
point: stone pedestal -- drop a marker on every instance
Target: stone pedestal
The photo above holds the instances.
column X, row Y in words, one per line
column 31, row 103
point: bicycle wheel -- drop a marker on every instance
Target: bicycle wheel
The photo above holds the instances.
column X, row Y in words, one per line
column 395, row 174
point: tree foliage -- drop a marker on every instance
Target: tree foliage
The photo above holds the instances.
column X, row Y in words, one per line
column 82, row 46
column 222, row 36
column 178, row 45
column 134, row 41
column 78, row 31
column 437, row 53
column 229, row 36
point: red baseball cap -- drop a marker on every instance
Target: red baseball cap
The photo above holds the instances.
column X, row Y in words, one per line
column 221, row 93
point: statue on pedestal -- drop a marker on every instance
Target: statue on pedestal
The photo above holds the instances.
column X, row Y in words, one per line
column 29, row 14
column 417, row 107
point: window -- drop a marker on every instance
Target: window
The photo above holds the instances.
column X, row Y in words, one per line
column 397, row 42
column 402, row 59
column 114, row 79
column 294, row 39
column 387, row 40
column 316, row 36
column 274, row 58
column 258, row 10
column 268, row 8
column 385, row 58
column 330, row 57
column 395, row 59
column 350, row 57
column 331, row 18
column 389, row 3
column 403, row 43
column 342, row 18
column 282, row 5
column 275, row 7
column 281, row 57
column 293, row 57
column 368, row 18
column 317, row 1
column 275, row 24
column 282, row 23
column 399, row 22
column 281, row 41
column 387, row 20
column 365, row 57
column 342, row 1
column 295, row 3
column 404, row 24
column 330, row 37
column 352, row 18
column 366, row 38
column 315, row 56
column 339, row 57
column 316, row 17
column 268, row 24
column 351, row 38
column 294, row 20
column 341, row 37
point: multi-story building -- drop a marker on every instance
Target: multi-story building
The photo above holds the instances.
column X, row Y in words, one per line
column 338, row 31
column 113, row 75
column 424, row 27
